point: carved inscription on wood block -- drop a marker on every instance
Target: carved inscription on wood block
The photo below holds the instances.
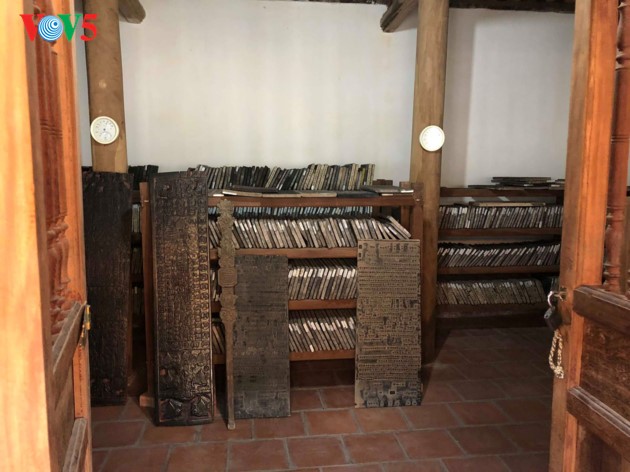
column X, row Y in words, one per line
column 107, row 222
column 183, row 338
column 388, row 324
column 261, row 337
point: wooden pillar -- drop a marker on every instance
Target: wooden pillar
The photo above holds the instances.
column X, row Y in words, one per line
column 428, row 109
column 105, row 83
column 590, row 120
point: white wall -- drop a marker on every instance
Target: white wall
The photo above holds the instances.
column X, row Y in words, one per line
column 289, row 83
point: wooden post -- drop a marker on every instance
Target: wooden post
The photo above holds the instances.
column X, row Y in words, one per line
column 147, row 399
column 590, row 118
column 428, row 109
column 105, row 83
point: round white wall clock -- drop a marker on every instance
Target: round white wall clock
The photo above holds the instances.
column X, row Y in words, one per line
column 104, row 130
column 432, row 138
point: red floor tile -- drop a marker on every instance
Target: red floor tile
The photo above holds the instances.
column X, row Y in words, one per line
column 445, row 373
column 480, row 371
column 314, row 452
column 257, row 455
column 477, row 389
column 354, row 468
column 138, row 459
column 450, row 356
column 338, row 397
column 133, row 411
column 373, row 448
column 476, row 464
column 478, row 356
column 107, row 413
column 479, row 413
column 428, row 444
column 531, row 437
column 98, row 459
column 519, row 388
column 279, row 427
column 218, row 431
column 116, row 434
column 208, row 457
column 482, row 440
column 414, row 466
column 439, row 392
column 527, row 462
column 430, row 416
column 168, row 434
column 380, row 419
column 524, row 409
column 305, row 400
column 331, row 422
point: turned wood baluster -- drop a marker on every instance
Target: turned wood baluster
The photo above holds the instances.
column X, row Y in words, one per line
column 619, row 156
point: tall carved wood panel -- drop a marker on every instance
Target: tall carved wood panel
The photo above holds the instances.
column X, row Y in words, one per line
column 50, row 121
column 388, row 324
column 107, row 220
column 183, row 338
column 261, row 337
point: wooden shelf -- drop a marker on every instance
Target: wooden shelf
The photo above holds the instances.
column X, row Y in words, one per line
column 404, row 200
column 303, row 356
column 495, row 316
column 295, row 305
column 305, row 253
column 454, row 192
column 498, row 232
column 498, row 270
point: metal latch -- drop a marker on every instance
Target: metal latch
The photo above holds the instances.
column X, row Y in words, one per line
column 87, row 325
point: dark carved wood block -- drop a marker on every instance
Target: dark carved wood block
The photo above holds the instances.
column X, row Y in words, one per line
column 183, row 337
column 388, row 324
column 261, row 337
column 107, row 222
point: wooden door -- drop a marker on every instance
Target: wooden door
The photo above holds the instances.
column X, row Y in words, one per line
column 44, row 368
column 591, row 404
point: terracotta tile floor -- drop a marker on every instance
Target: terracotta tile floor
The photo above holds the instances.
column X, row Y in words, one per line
column 486, row 408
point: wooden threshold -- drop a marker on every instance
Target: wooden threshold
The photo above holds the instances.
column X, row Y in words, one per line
column 498, row 232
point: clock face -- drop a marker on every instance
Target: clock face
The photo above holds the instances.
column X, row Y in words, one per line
column 104, row 130
column 432, row 138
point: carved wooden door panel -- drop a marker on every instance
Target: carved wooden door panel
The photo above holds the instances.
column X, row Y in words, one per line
column 44, row 363
column 591, row 407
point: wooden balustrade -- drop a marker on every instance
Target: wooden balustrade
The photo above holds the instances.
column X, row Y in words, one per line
column 620, row 147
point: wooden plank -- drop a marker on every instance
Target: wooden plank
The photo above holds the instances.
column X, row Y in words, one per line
column 107, row 203
column 604, row 308
column 498, row 232
column 65, row 346
column 77, row 449
column 557, row 6
column 590, row 117
column 296, row 305
column 81, row 382
column 458, row 192
column 396, row 13
column 498, row 270
column 305, row 202
column 147, row 398
column 609, row 425
column 457, row 311
column 321, row 355
column 24, row 325
column 183, row 338
column 428, row 109
column 131, row 11
column 261, row 338
column 105, row 84
column 388, row 324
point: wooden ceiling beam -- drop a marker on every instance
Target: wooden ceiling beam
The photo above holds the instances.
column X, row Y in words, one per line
column 558, row 6
column 131, row 11
column 396, row 13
